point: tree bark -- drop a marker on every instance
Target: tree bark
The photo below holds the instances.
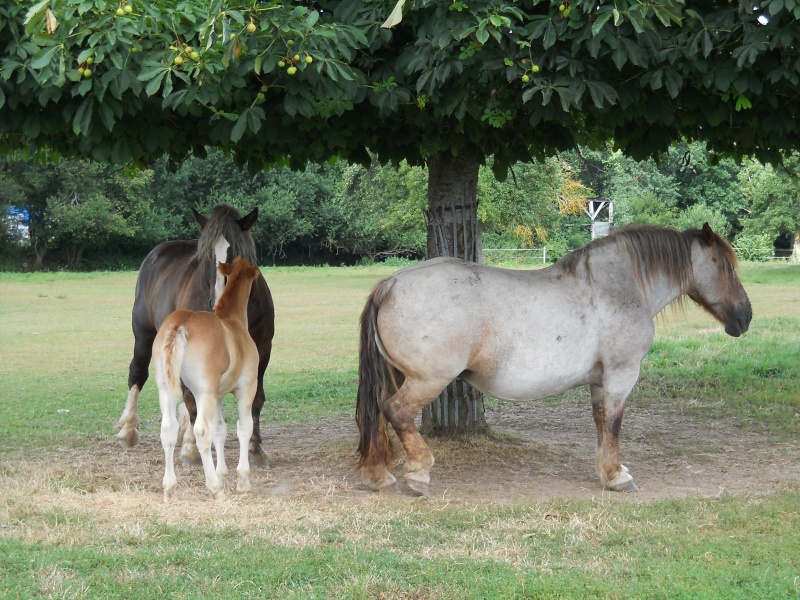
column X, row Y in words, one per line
column 454, row 230
column 796, row 247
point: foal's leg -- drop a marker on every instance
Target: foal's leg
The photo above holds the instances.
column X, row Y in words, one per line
column 220, row 433
column 203, row 433
column 608, row 406
column 401, row 410
column 169, row 439
column 244, row 431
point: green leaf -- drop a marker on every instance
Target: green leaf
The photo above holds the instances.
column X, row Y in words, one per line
column 312, row 19
column 154, row 84
column 239, row 128
column 43, row 58
column 600, row 22
column 254, row 119
column 35, row 15
column 83, row 117
column 107, row 116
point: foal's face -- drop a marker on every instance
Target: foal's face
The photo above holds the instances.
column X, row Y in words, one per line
column 717, row 287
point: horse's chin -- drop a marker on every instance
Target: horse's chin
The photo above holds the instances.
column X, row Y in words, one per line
column 733, row 329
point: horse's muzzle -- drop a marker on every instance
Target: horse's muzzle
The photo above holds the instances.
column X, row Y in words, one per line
column 737, row 318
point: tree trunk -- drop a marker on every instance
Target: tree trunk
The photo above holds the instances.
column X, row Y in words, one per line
column 796, row 248
column 454, row 230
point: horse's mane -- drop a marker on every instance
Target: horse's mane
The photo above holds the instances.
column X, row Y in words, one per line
column 652, row 249
column 223, row 222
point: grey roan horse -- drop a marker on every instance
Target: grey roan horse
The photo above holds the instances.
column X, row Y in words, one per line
column 183, row 274
column 587, row 320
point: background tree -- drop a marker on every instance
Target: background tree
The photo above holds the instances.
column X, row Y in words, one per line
column 77, row 206
column 773, row 202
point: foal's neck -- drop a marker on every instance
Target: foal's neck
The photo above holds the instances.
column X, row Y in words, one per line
column 232, row 305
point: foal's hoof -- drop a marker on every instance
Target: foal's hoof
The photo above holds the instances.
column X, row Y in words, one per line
column 418, row 486
column 128, row 438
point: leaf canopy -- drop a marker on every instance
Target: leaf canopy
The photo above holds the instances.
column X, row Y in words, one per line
column 287, row 83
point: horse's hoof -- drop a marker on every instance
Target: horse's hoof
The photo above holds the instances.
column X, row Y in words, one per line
column 258, row 458
column 622, row 483
column 219, row 496
column 378, row 479
column 418, row 486
column 190, row 458
column 128, row 438
column 243, row 485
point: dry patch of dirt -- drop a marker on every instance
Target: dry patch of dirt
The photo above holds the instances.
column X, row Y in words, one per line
column 540, row 452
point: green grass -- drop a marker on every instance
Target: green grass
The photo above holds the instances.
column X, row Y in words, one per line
column 699, row 548
column 66, row 344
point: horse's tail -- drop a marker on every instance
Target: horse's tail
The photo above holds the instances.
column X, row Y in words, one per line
column 375, row 384
column 173, row 352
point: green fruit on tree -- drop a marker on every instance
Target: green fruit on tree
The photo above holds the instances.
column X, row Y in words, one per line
column 264, row 88
column 566, row 12
column 296, row 57
column 194, row 55
column 89, row 60
column 291, row 70
column 290, row 42
column 120, row 12
column 87, row 73
column 309, row 60
column 562, row 8
column 251, row 27
column 178, row 61
column 535, row 68
column 281, row 64
column 525, row 79
column 260, row 95
column 128, row 8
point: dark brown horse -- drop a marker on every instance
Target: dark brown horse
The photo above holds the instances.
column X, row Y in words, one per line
column 183, row 274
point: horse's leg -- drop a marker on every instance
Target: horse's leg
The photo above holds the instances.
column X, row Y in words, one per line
column 401, row 409
column 608, row 406
column 128, row 423
column 258, row 458
column 203, row 433
column 189, row 454
column 244, row 431
column 220, row 433
column 169, row 439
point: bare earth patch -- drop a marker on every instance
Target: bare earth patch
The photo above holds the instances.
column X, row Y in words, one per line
column 539, row 452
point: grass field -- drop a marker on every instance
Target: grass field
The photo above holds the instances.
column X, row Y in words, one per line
column 66, row 344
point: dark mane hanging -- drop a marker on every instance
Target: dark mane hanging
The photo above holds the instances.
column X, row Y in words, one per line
column 653, row 249
column 222, row 222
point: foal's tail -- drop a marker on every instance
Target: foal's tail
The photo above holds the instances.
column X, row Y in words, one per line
column 173, row 351
column 376, row 382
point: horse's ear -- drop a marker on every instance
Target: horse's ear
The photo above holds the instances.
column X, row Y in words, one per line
column 225, row 268
column 709, row 237
column 247, row 221
column 200, row 219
